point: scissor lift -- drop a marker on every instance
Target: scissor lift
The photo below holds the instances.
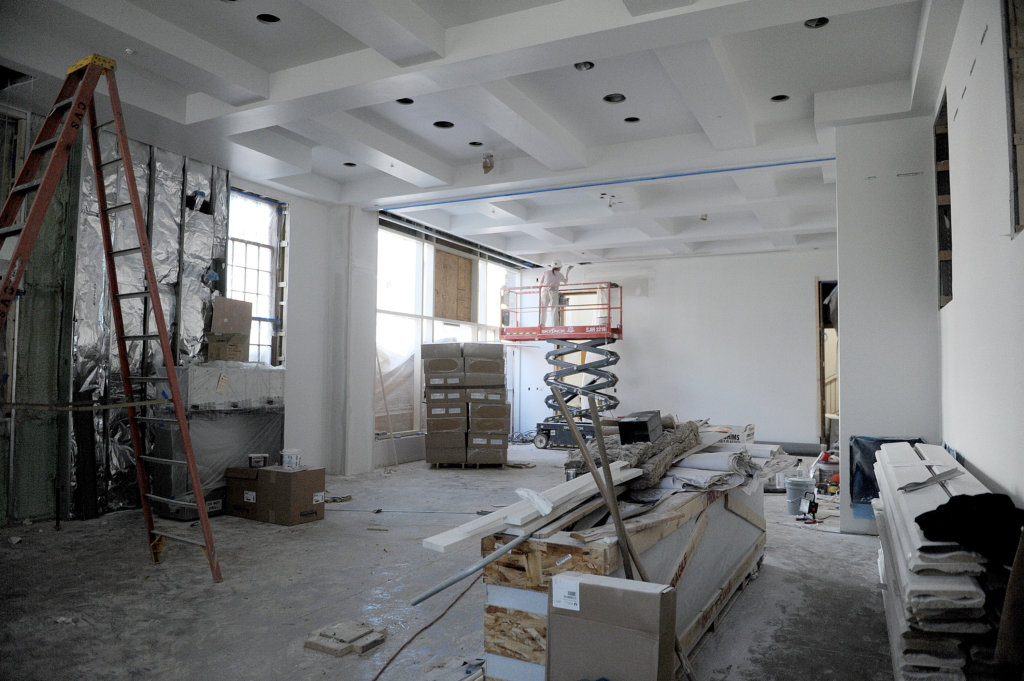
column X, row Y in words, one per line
column 588, row 317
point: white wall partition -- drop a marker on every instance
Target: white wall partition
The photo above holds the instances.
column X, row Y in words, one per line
column 730, row 338
column 888, row 301
column 983, row 327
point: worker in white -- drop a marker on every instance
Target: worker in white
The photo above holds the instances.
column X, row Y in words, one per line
column 549, row 283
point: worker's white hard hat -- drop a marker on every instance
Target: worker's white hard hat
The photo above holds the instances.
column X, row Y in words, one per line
column 556, row 264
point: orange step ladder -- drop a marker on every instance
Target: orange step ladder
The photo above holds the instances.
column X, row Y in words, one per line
column 73, row 109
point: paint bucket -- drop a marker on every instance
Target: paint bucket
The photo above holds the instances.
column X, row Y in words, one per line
column 795, row 489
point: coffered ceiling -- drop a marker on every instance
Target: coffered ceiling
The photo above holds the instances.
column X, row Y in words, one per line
column 343, row 101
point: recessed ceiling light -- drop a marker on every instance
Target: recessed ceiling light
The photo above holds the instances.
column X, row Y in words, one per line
column 349, row 164
column 817, row 22
column 631, row 119
column 476, row 144
column 268, row 18
column 444, row 124
column 780, row 98
column 615, row 98
column 583, row 65
column 405, row 101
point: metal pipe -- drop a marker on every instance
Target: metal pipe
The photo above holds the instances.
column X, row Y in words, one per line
column 606, row 492
column 479, row 565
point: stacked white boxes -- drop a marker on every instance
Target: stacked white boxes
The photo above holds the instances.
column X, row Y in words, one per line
column 468, row 415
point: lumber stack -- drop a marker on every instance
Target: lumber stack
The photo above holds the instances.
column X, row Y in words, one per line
column 935, row 605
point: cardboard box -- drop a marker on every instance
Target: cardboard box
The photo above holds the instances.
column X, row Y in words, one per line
column 444, row 380
column 476, row 380
column 486, row 455
column 606, row 626
column 448, row 424
column 477, row 440
column 429, row 350
column 275, row 495
column 436, row 410
column 231, row 316
column 443, row 365
column 484, row 365
column 484, row 350
column 484, row 425
column 736, row 433
column 445, row 441
column 640, row 426
column 444, row 394
column 490, row 410
column 486, row 394
column 230, row 347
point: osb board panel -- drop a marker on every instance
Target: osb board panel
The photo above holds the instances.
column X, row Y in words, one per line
column 453, row 286
column 516, row 634
column 532, row 564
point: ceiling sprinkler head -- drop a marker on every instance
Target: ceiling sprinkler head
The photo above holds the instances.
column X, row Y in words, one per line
column 488, row 164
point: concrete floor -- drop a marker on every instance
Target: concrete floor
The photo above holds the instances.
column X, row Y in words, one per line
column 86, row 603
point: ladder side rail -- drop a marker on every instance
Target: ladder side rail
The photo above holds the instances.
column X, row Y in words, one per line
column 165, row 346
column 115, row 303
column 70, row 125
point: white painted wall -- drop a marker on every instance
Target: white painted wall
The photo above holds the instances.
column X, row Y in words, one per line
column 983, row 328
column 888, row 301
column 729, row 338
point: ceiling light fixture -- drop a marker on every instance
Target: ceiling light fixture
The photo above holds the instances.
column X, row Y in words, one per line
column 583, row 65
column 349, row 164
column 474, row 143
column 703, row 217
column 444, row 124
column 615, row 98
column 631, row 119
column 268, row 18
column 817, row 22
column 405, row 101
column 780, row 98
column 488, row 164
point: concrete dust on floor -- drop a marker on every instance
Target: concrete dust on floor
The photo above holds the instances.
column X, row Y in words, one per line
column 85, row 602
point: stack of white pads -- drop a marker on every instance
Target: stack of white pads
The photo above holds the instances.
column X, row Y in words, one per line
column 724, row 466
column 932, row 597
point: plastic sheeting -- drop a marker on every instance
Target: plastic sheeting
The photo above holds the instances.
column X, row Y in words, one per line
column 183, row 260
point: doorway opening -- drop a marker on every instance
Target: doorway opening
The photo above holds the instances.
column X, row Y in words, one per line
column 828, row 364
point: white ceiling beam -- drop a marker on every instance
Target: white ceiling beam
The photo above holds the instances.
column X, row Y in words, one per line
column 506, row 110
column 639, row 7
column 371, row 146
column 657, row 229
column 756, row 185
column 309, row 184
column 398, row 29
column 275, row 144
column 510, row 211
column 704, row 76
column 177, row 54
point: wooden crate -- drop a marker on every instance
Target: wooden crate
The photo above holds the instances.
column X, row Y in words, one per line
column 705, row 544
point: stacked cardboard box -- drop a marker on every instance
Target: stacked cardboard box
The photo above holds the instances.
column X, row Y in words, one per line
column 229, row 330
column 468, row 415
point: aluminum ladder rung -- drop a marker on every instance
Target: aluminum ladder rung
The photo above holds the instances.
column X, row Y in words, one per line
column 157, row 459
column 29, row 186
column 11, row 230
column 104, row 124
column 62, row 104
column 111, row 162
column 119, row 207
column 141, row 337
column 133, row 294
column 179, row 537
column 173, row 502
column 126, row 251
column 45, row 144
column 158, row 421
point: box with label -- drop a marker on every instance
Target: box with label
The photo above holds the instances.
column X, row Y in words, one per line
column 486, row 455
column 431, row 350
column 443, row 365
column 484, row 365
column 445, row 447
column 491, row 440
column 434, row 381
column 490, row 410
column 231, row 316
column 736, row 433
column 478, row 379
column 275, row 495
column 484, row 350
column 448, row 424
column 486, row 394
column 611, row 627
column 436, row 410
column 444, row 394
column 485, row 425
column 230, row 347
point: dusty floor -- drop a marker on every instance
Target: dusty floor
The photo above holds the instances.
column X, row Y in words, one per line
column 86, row 603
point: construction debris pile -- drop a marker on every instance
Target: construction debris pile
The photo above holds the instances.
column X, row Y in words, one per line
column 943, row 592
column 653, row 458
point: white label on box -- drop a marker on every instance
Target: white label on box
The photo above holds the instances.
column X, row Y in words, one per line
column 437, row 411
column 499, row 441
column 318, row 498
column 565, row 593
column 454, row 380
column 436, row 381
column 479, row 440
column 249, row 496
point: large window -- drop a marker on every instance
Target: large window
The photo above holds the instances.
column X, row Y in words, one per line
column 255, row 238
column 420, row 301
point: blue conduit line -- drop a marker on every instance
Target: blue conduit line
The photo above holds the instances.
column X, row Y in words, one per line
column 609, row 183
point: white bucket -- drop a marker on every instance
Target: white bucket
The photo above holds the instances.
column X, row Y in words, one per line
column 291, row 458
column 795, row 489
